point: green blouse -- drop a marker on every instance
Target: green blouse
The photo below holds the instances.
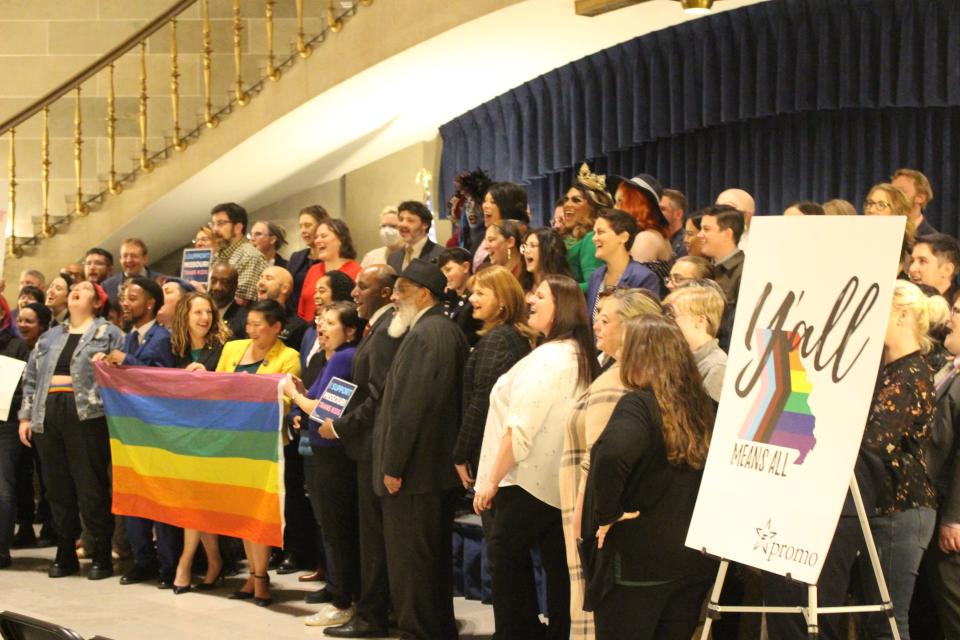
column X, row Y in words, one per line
column 582, row 258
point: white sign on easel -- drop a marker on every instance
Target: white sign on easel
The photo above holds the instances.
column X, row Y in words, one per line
column 812, row 312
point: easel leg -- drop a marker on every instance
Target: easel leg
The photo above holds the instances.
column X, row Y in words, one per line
column 874, row 556
column 714, row 599
column 813, row 627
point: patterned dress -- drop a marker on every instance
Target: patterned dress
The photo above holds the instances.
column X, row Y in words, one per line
column 898, row 433
column 590, row 415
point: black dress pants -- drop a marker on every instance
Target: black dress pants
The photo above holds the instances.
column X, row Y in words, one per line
column 333, row 488
column 832, row 588
column 300, row 534
column 520, row 522
column 418, row 536
column 374, row 604
column 664, row 612
column 75, row 459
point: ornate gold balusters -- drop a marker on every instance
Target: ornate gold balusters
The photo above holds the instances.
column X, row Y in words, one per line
column 208, row 117
column 47, row 230
column 302, row 47
column 112, row 184
column 178, row 143
column 334, row 23
column 272, row 72
column 12, row 249
column 79, row 206
column 146, row 165
column 241, row 96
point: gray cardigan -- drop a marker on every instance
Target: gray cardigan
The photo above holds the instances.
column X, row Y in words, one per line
column 712, row 364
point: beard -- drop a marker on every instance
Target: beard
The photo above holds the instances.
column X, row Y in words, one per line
column 402, row 319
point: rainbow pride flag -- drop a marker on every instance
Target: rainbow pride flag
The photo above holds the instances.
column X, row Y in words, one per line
column 197, row 450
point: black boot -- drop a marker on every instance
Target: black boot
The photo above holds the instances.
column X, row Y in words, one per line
column 66, row 563
column 102, row 566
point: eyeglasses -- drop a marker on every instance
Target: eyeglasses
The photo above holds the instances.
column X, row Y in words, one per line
column 677, row 280
column 879, row 204
column 261, row 234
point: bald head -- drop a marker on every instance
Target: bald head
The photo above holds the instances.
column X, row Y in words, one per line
column 739, row 200
column 275, row 283
column 373, row 289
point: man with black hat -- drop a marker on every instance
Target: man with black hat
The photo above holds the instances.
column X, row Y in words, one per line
column 414, row 433
column 415, row 221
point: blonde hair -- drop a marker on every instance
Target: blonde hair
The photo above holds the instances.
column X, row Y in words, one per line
column 923, row 310
column 509, row 294
column 632, row 303
column 699, row 301
column 920, row 182
column 838, row 207
column 219, row 332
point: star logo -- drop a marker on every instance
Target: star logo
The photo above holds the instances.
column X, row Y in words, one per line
column 764, row 535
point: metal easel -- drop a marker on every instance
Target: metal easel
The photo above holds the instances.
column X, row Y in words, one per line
column 812, row 611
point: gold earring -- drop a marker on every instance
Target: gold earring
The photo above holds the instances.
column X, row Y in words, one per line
column 509, row 253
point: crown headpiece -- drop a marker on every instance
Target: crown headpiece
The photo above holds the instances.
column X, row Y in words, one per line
column 591, row 180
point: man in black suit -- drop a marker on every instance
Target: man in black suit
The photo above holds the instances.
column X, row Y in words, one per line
column 413, row 472
column 371, row 363
column 415, row 221
column 134, row 261
column 223, row 289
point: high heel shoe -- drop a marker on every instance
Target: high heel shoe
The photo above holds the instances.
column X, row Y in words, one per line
column 210, row 586
column 177, row 589
column 242, row 595
column 263, row 602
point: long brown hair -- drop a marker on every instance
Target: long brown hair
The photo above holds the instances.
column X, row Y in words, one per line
column 571, row 322
column 219, row 333
column 513, row 307
column 656, row 357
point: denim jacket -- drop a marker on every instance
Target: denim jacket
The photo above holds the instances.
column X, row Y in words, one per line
column 100, row 337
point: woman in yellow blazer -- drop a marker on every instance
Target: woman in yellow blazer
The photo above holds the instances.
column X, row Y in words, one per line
column 263, row 352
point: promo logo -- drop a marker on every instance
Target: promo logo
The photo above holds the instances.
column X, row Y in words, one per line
column 771, row 549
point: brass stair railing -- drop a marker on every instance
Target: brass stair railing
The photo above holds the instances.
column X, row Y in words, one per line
column 243, row 91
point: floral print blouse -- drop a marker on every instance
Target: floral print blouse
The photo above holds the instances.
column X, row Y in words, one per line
column 898, row 432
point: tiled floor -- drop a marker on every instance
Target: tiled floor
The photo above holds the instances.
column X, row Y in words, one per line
column 143, row 612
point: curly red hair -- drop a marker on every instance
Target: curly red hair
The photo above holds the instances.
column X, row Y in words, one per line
column 634, row 202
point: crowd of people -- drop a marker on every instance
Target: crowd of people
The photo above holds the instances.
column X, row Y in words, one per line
column 559, row 381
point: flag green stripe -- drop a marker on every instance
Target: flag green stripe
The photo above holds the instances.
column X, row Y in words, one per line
column 192, row 441
column 797, row 403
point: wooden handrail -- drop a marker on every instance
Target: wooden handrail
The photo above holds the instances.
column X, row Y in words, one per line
column 109, row 58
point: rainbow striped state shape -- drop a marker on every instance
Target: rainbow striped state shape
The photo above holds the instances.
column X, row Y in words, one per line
column 197, row 450
column 781, row 413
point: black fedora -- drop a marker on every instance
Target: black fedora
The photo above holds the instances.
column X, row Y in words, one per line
column 426, row 274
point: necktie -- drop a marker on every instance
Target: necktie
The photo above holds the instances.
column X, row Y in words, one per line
column 407, row 256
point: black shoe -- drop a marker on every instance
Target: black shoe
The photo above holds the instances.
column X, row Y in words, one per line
column 165, row 582
column 63, row 569
column 5, row 561
column 24, row 538
column 276, row 558
column 240, row 595
column 357, row 627
column 210, row 586
column 139, row 573
column 100, row 569
column 319, row 597
column 291, row 564
column 177, row 589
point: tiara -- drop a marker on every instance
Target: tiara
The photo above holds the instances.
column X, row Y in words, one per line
column 591, row 180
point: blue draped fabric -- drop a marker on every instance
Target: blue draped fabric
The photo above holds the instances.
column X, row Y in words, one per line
column 788, row 99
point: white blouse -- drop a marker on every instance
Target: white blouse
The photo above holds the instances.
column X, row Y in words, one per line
column 534, row 399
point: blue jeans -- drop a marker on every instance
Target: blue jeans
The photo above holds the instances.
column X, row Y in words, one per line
column 9, row 453
column 901, row 538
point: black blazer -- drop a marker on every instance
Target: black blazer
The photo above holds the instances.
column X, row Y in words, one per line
column 431, row 250
column 293, row 330
column 298, row 264
column 629, row 471
column 419, row 416
column 493, row 356
column 943, row 454
column 371, row 363
column 209, row 357
column 236, row 319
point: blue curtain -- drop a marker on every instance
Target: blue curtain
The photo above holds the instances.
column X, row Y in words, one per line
column 788, row 99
